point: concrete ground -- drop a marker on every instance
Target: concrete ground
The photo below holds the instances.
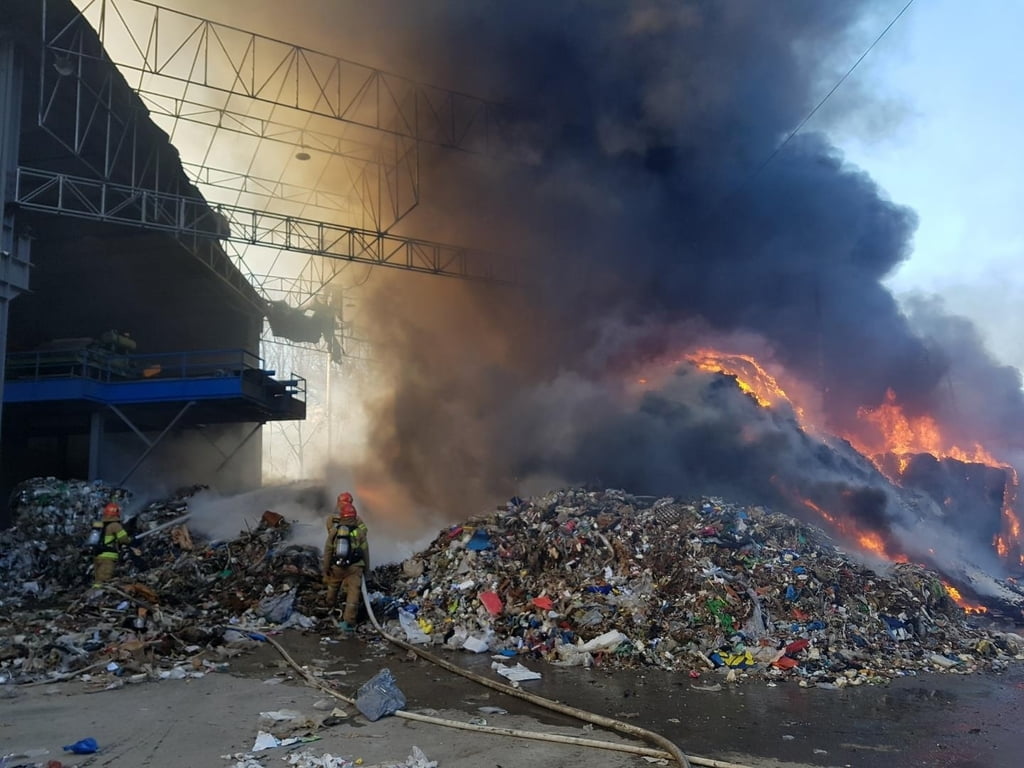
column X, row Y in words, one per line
column 938, row 721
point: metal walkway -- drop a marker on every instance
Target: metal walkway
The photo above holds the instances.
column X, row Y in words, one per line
column 223, row 386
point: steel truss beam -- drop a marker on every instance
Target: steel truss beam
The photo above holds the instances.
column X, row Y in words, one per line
column 111, row 134
column 387, row 176
column 150, row 444
column 271, row 189
column 162, row 44
column 183, row 216
column 227, row 457
column 316, row 283
column 311, row 282
column 109, row 131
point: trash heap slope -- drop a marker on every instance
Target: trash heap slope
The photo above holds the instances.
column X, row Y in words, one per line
column 54, row 626
column 578, row 577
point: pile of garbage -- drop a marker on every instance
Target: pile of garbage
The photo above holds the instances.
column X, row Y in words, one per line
column 573, row 577
column 177, row 610
column 584, row 578
column 41, row 554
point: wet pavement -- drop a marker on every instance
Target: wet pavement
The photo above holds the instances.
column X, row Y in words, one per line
column 925, row 721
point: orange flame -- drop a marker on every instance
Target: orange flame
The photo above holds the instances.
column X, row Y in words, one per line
column 903, row 436
column 750, row 377
column 867, row 540
column 890, row 440
column 1001, row 547
column 957, row 598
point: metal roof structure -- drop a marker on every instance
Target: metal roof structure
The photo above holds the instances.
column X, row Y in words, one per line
column 273, row 166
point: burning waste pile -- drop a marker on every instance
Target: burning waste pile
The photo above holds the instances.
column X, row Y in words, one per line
column 169, row 612
column 582, row 578
column 573, row 577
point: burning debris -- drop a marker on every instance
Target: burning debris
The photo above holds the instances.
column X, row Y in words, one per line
column 893, row 483
column 573, row 577
column 577, row 577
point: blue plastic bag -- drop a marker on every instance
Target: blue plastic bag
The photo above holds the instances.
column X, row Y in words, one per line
column 380, row 696
column 83, row 747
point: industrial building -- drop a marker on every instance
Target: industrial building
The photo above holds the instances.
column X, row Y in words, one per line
column 126, row 347
column 130, row 322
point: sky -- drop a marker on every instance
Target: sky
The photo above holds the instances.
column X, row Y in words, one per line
column 951, row 150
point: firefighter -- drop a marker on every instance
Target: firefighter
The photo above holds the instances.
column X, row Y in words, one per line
column 110, row 539
column 346, row 556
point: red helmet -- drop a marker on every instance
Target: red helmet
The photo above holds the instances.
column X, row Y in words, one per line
column 112, row 512
column 347, row 510
column 344, row 498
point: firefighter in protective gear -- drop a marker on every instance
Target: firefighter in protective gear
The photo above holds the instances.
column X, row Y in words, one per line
column 346, row 556
column 110, row 539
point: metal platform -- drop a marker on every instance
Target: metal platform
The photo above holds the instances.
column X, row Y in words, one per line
column 62, row 389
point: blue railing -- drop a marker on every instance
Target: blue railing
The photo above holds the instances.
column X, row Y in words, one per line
column 97, row 364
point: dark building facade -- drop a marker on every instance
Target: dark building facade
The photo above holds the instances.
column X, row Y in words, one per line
column 91, row 280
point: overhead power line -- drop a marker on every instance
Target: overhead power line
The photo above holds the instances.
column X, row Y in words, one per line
column 828, row 95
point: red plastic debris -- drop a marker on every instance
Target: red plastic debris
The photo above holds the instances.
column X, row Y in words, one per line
column 796, row 646
column 543, row 602
column 491, row 602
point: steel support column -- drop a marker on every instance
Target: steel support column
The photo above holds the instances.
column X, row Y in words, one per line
column 252, row 433
column 97, row 422
column 14, row 256
column 151, row 445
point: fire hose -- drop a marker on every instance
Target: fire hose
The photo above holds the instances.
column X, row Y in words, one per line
column 176, row 521
column 671, row 751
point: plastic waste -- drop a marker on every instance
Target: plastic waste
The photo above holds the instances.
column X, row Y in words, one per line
column 277, row 608
column 476, row 645
column 491, row 602
column 516, row 674
column 27, row 753
column 85, row 746
column 609, row 641
column 379, row 696
column 413, row 633
column 419, row 760
column 480, row 540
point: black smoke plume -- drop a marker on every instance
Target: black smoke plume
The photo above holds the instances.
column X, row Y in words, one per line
column 636, row 194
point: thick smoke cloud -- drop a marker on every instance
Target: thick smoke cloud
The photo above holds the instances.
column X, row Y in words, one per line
column 636, row 195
